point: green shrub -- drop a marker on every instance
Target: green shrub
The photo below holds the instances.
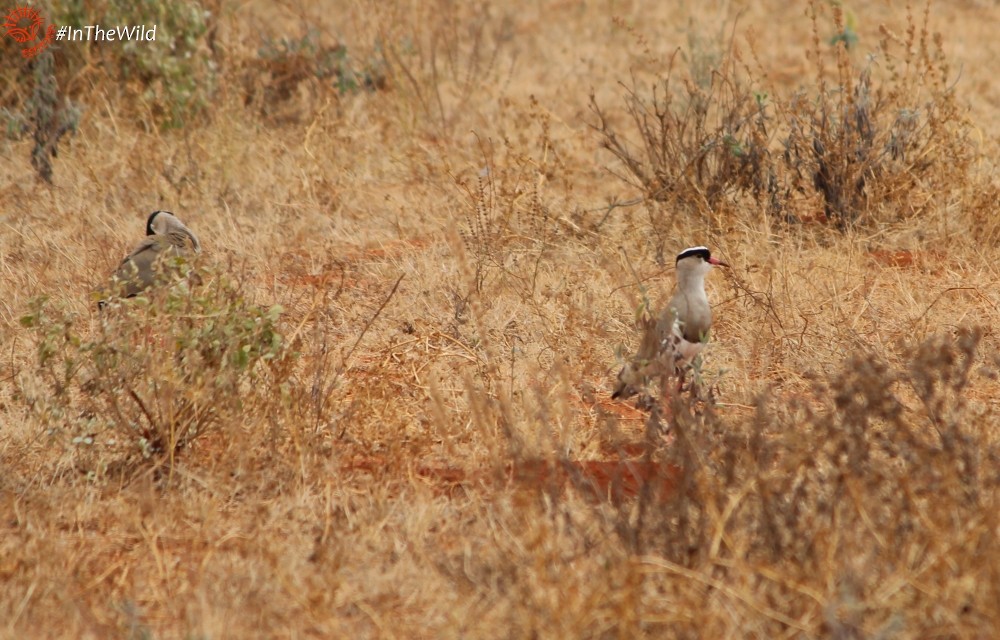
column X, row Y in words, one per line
column 273, row 79
column 157, row 371
column 175, row 75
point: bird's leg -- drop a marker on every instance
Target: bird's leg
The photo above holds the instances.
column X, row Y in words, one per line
column 668, row 392
column 644, row 402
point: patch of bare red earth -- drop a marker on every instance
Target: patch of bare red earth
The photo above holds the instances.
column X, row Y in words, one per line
column 300, row 268
column 614, row 481
column 625, row 472
column 907, row 259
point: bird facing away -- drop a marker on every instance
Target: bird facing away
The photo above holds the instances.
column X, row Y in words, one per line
column 671, row 342
column 166, row 236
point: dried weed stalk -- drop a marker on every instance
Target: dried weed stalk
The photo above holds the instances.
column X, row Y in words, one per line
column 507, row 229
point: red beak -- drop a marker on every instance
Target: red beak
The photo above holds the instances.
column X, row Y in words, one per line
column 717, row 262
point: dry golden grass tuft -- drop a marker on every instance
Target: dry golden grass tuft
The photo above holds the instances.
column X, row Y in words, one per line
column 384, row 411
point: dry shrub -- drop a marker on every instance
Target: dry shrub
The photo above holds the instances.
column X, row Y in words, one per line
column 883, row 151
column 158, row 371
column 286, row 69
column 698, row 143
column 876, row 143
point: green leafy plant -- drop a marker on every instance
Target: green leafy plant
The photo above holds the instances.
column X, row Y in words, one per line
column 176, row 75
column 158, row 371
column 284, row 64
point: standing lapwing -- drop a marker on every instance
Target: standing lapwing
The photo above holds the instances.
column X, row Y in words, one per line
column 166, row 237
column 670, row 344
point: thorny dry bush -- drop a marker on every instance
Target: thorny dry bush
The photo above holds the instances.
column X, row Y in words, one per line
column 878, row 141
column 442, row 54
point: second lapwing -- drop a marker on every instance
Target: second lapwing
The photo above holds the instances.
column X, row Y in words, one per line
column 166, row 238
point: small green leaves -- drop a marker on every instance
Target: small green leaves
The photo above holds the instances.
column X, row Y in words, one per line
column 158, row 371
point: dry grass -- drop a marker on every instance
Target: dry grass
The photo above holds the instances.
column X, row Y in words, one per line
column 437, row 456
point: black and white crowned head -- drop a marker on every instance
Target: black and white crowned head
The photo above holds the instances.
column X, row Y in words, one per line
column 698, row 259
column 165, row 223
column 691, row 252
column 158, row 217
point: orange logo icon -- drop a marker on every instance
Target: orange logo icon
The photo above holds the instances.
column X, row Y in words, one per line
column 23, row 24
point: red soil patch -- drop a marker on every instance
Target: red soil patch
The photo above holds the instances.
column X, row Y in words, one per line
column 623, row 410
column 615, row 481
column 905, row 259
column 299, row 268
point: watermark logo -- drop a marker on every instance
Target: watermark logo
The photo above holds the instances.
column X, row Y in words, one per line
column 24, row 25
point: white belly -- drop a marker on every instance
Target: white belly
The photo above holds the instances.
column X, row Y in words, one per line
column 680, row 351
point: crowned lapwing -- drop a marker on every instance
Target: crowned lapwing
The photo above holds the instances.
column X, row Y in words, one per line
column 671, row 343
column 166, row 237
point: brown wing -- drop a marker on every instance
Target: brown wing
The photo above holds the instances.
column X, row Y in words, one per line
column 136, row 271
